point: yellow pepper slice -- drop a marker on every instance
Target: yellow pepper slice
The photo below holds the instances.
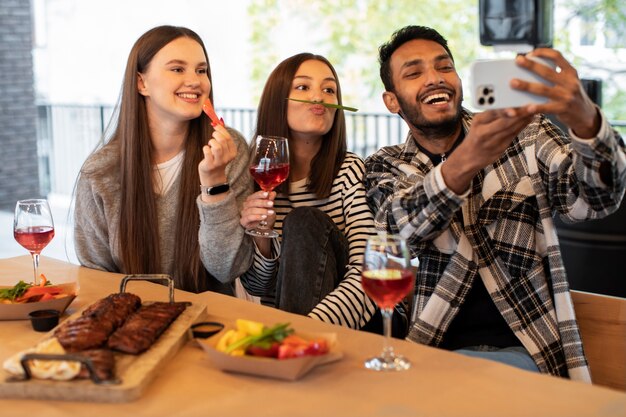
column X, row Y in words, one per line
column 251, row 328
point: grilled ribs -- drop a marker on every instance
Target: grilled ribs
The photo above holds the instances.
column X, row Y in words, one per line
column 114, row 309
column 103, row 363
column 81, row 334
column 118, row 322
column 144, row 327
column 95, row 325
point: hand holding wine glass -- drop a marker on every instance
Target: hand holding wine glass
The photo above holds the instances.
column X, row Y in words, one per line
column 387, row 279
column 269, row 166
column 33, row 228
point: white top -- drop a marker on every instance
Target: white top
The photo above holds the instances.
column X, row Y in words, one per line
column 165, row 173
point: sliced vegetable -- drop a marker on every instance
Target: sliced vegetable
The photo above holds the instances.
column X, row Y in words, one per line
column 332, row 106
column 252, row 328
column 23, row 292
column 317, row 347
column 46, row 297
column 265, row 352
column 295, row 347
column 36, row 293
column 207, row 106
column 16, row 291
column 254, row 339
column 276, row 333
column 230, row 338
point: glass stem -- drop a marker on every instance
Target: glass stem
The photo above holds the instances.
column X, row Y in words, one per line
column 387, row 313
column 262, row 225
column 35, row 267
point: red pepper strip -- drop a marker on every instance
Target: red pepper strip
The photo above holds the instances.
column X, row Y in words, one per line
column 46, row 297
column 39, row 291
column 208, row 109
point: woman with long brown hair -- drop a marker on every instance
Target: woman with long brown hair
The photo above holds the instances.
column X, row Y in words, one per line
column 147, row 201
column 323, row 220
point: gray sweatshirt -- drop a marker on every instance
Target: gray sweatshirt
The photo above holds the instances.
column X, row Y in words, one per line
column 224, row 251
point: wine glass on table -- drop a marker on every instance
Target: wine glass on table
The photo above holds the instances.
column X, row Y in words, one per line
column 33, row 228
column 387, row 278
column 269, row 166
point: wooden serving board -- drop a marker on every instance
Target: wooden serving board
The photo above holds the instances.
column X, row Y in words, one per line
column 134, row 371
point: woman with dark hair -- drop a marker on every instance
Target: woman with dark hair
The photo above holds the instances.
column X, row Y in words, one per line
column 314, row 267
column 148, row 200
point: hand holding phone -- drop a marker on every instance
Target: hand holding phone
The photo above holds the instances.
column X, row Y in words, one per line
column 490, row 84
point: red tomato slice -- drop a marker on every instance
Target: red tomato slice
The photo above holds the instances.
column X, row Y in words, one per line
column 286, row 351
column 317, row 347
column 271, row 352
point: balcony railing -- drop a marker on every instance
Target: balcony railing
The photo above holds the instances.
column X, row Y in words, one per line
column 67, row 134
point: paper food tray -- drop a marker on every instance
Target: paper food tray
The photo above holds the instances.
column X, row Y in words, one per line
column 285, row 369
column 20, row 311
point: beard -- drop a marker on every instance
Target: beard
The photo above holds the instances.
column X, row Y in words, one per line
column 430, row 128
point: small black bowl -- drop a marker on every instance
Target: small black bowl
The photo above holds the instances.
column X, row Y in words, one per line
column 44, row 320
column 206, row 329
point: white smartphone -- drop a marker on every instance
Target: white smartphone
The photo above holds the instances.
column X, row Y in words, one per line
column 489, row 83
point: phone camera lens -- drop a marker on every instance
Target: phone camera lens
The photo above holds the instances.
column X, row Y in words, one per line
column 491, row 100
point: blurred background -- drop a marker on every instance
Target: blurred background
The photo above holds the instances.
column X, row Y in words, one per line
column 62, row 61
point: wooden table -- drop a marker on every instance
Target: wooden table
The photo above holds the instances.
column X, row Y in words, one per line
column 440, row 383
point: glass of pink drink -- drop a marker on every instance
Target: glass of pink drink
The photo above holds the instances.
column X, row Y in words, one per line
column 387, row 279
column 33, row 228
column 269, row 166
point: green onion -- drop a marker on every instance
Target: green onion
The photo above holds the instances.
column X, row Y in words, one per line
column 269, row 335
column 333, row 106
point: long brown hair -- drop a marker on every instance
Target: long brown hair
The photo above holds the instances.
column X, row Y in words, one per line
column 138, row 225
column 272, row 120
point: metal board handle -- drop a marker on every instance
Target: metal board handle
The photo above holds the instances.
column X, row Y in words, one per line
column 150, row 277
column 25, row 362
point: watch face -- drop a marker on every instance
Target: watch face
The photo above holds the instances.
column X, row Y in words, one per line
column 218, row 189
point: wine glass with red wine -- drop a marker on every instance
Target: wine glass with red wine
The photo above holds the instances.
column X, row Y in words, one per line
column 33, row 228
column 387, row 278
column 269, row 166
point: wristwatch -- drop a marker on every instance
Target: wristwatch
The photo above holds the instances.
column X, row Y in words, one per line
column 215, row 189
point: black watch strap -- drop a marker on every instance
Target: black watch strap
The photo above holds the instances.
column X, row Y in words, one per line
column 215, row 189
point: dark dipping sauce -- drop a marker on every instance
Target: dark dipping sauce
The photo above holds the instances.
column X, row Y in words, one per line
column 206, row 329
column 44, row 320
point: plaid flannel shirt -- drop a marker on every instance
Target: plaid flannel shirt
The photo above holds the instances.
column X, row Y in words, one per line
column 506, row 237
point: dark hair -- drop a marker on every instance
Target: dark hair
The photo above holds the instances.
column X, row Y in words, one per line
column 272, row 120
column 138, row 224
column 399, row 38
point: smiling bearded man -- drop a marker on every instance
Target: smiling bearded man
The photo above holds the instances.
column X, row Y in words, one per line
column 474, row 195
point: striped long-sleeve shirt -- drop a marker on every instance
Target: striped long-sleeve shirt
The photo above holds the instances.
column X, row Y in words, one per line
column 347, row 305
